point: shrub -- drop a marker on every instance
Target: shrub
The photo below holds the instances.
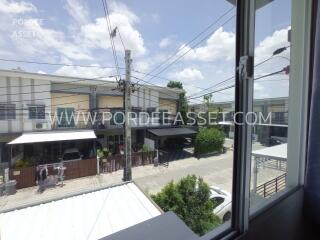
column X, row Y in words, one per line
column 209, row 140
column 102, row 153
column 190, row 200
column 26, row 162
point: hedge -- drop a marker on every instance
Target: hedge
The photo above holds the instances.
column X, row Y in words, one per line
column 209, row 140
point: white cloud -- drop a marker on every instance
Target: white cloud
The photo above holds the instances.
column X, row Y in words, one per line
column 142, row 66
column 187, row 75
column 78, row 10
column 271, row 43
column 191, row 90
column 11, row 7
column 219, row 46
column 36, row 39
column 41, row 72
column 86, row 72
column 164, row 42
column 96, row 35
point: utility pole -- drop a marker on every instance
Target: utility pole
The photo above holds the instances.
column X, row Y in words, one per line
column 127, row 88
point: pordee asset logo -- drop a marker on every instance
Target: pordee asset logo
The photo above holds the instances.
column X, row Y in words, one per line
column 163, row 118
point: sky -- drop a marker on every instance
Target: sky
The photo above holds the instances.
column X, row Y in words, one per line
column 75, row 32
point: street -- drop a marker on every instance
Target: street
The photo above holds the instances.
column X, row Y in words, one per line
column 216, row 171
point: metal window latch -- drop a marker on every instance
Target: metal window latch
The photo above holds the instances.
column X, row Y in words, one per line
column 245, row 67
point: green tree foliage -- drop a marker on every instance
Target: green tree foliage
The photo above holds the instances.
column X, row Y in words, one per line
column 183, row 103
column 190, row 200
column 209, row 140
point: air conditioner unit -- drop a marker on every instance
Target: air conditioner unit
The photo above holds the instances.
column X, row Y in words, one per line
column 40, row 126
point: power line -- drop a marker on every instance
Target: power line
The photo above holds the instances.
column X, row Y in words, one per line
column 124, row 48
column 83, row 66
column 189, row 42
column 190, row 49
column 114, row 53
column 277, row 51
column 54, row 64
column 71, row 95
column 37, row 99
column 48, row 84
column 231, row 86
column 63, row 83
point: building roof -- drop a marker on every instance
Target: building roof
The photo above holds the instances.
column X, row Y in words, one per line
column 255, row 102
column 278, row 152
column 162, row 132
column 52, row 136
column 87, row 216
column 76, row 80
column 167, row 226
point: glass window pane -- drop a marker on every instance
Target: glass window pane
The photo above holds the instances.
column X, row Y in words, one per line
column 271, row 103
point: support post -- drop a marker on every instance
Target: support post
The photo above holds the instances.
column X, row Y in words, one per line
column 127, row 173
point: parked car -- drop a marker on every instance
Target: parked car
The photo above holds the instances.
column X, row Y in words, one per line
column 223, row 203
column 71, row 154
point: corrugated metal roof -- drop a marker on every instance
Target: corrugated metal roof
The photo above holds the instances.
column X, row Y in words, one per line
column 54, row 136
column 88, row 216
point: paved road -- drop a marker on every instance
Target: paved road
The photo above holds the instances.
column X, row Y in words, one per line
column 216, row 170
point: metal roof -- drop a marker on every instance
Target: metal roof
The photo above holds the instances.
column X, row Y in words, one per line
column 162, row 132
column 278, row 152
column 53, row 136
column 87, row 216
column 167, row 226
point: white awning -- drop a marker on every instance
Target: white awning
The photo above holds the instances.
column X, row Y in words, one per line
column 278, row 152
column 92, row 215
column 53, row 136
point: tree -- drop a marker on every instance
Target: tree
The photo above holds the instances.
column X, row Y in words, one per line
column 183, row 103
column 207, row 99
column 209, row 140
column 190, row 200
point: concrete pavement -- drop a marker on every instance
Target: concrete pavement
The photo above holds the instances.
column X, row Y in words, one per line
column 216, row 170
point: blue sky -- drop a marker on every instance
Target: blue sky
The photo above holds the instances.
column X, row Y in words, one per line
column 74, row 32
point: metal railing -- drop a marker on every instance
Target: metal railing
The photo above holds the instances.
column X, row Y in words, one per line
column 273, row 186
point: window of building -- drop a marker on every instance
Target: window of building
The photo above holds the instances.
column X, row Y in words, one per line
column 66, row 117
column 7, row 111
column 37, row 112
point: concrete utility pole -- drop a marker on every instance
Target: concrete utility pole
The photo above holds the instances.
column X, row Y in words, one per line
column 127, row 88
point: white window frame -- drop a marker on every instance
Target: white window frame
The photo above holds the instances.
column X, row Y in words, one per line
column 298, row 101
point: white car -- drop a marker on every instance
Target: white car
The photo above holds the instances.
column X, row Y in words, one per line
column 71, row 154
column 223, row 201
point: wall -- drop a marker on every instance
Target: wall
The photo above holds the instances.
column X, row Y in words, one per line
column 145, row 98
column 282, row 221
column 79, row 102
column 110, row 102
column 24, row 92
column 170, row 105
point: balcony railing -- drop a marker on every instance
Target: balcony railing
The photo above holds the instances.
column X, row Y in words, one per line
column 273, row 186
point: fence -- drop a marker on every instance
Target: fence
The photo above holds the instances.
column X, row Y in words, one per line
column 26, row 176
column 273, row 186
column 117, row 162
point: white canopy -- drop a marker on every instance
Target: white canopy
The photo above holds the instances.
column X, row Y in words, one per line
column 88, row 216
column 53, row 136
column 278, row 152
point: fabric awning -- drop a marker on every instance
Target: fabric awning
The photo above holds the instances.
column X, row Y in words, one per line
column 163, row 132
column 52, row 136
